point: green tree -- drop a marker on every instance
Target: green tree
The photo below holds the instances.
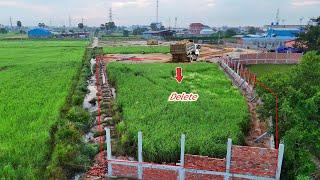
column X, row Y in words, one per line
column 110, row 26
column 310, row 39
column 252, row 30
column 139, row 31
column 230, row 32
column 19, row 24
column 299, row 114
column 42, row 25
column 80, row 26
column 3, row 31
column 154, row 26
column 125, row 33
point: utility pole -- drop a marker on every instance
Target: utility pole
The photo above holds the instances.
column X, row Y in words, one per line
column 110, row 15
column 69, row 21
column 301, row 19
column 277, row 16
column 157, row 13
column 82, row 20
column 11, row 23
column 169, row 23
column 175, row 22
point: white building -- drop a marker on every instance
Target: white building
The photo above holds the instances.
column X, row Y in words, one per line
column 207, row 31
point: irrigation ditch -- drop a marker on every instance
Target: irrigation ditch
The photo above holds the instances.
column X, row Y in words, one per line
column 258, row 132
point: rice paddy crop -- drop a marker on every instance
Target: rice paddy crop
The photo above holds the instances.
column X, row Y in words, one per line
column 136, row 49
column 142, row 98
column 35, row 77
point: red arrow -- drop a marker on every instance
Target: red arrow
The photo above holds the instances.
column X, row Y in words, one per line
column 179, row 76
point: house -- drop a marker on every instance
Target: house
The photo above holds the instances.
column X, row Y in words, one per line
column 195, row 28
column 290, row 43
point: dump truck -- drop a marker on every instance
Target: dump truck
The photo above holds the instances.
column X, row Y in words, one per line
column 185, row 51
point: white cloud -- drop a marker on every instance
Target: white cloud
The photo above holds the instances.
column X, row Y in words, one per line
column 23, row 5
column 210, row 3
column 129, row 3
column 305, row 2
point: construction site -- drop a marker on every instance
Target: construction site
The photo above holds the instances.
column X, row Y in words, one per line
column 96, row 98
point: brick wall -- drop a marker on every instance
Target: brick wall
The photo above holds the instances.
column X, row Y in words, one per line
column 149, row 173
column 245, row 160
column 124, row 171
column 254, row 161
column 204, row 163
column 270, row 58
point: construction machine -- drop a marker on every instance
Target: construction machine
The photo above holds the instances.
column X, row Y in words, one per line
column 185, row 51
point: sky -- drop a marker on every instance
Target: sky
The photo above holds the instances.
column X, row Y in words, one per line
column 133, row 12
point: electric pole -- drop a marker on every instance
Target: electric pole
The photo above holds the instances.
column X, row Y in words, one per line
column 157, row 13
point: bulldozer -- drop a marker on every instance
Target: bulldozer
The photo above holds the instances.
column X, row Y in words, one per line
column 185, row 51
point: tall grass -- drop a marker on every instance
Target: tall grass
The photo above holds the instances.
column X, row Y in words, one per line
column 142, row 100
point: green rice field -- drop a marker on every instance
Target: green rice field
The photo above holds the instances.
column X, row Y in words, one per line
column 142, row 98
column 136, row 49
column 35, row 78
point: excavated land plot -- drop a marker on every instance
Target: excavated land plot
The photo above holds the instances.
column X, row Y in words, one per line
column 142, row 98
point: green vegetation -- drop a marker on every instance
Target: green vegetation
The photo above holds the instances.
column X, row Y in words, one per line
column 12, row 35
column 265, row 69
column 299, row 115
column 136, row 49
column 142, row 104
column 309, row 40
column 35, row 79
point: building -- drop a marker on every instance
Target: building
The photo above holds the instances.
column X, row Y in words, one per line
column 276, row 36
column 290, row 32
column 269, row 43
column 195, row 28
column 207, row 31
column 40, row 33
column 159, row 35
column 74, row 35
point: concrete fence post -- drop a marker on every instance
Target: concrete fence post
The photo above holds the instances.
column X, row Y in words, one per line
column 181, row 170
column 109, row 156
column 272, row 144
column 140, row 158
column 280, row 158
column 228, row 160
